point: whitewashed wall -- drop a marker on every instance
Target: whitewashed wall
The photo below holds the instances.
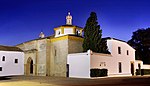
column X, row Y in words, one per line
column 138, row 62
column 104, row 61
column 125, row 59
column 111, row 63
column 68, row 31
column 143, row 66
column 9, row 67
column 79, row 62
column 113, row 48
column 79, row 65
column 146, row 66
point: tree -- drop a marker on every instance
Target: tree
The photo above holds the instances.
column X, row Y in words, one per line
column 141, row 43
column 92, row 35
column 103, row 45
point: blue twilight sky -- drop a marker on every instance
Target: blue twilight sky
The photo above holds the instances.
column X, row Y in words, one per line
column 23, row 20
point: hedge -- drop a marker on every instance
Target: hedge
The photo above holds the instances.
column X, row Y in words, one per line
column 138, row 72
column 98, row 72
column 143, row 72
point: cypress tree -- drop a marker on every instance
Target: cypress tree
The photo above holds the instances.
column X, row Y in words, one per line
column 92, row 34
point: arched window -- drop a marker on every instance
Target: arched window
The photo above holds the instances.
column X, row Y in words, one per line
column 77, row 32
column 16, row 60
column 3, row 58
column 58, row 32
column 30, row 65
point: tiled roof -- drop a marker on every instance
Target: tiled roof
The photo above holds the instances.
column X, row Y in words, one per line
column 48, row 37
column 106, row 38
column 9, row 48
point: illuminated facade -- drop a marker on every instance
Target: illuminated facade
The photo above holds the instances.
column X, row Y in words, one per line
column 120, row 62
column 47, row 56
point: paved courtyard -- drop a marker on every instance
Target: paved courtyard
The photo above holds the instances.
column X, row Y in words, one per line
column 55, row 81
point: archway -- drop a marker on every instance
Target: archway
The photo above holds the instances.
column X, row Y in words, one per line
column 30, row 66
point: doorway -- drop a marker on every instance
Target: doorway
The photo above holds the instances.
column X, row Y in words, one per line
column 67, row 73
column 132, row 68
column 29, row 66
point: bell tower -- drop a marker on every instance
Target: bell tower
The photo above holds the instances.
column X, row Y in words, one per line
column 42, row 35
column 68, row 19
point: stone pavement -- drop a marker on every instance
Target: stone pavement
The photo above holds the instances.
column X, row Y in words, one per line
column 57, row 81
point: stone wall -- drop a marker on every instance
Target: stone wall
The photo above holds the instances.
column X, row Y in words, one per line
column 60, row 48
column 36, row 51
column 50, row 55
column 59, row 52
column 41, row 57
column 75, row 45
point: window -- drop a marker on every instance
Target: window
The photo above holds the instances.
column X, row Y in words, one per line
column 16, row 60
column 3, row 58
column 102, row 64
column 119, row 50
column 77, row 32
column 127, row 52
column 55, row 52
column 120, row 67
column 69, row 21
column 0, row 68
column 59, row 33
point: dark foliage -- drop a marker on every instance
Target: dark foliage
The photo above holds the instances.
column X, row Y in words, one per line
column 138, row 71
column 143, row 72
column 92, row 36
column 141, row 43
column 103, row 46
column 98, row 72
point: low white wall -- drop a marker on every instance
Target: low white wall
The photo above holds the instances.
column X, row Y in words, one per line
column 79, row 65
column 146, row 66
column 9, row 67
column 111, row 63
column 143, row 66
column 136, row 64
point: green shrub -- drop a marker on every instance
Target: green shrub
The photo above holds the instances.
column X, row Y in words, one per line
column 98, row 72
column 145, row 71
column 138, row 72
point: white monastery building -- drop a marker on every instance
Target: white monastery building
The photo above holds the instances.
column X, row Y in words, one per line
column 121, row 61
column 61, row 55
column 11, row 61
